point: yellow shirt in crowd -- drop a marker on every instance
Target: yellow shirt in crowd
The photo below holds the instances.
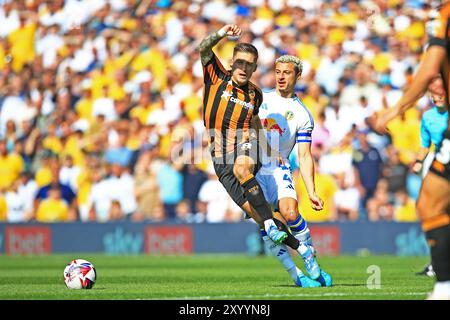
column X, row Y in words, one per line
column 10, row 168
column 43, row 176
column 52, row 210
column 406, row 138
column 22, row 46
column 84, row 109
column 406, row 213
column 52, row 143
column 155, row 60
column 3, row 208
column 325, row 188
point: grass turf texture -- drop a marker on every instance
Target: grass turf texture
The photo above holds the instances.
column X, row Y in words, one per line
column 200, row 277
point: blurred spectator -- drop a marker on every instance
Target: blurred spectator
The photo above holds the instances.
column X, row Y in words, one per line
column 337, row 122
column 360, row 112
column 115, row 211
column 113, row 185
column 104, row 105
column 184, row 213
column 28, row 189
column 99, row 196
column 320, row 134
column 63, row 192
column 69, row 173
column 121, row 185
column 9, row 18
column 193, row 179
column 119, row 153
column 220, row 207
column 146, row 188
column 405, row 207
column 394, row 171
column 363, row 85
column 339, row 158
column 11, row 164
column 405, row 134
column 158, row 214
column 367, row 165
column 53, row 208
column 170, row 183
column 379, row 207
column 346, row 199
column 3, row 208
column 19, row 199
column 16, row 204
column 331, row 68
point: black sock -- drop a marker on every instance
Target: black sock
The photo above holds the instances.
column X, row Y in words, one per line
column 290, row 241
column 439, row 241
column 255, row 197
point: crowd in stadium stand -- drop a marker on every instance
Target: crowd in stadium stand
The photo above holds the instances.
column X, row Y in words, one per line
column 101, row 105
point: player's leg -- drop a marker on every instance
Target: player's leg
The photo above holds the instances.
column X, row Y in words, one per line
column 433, row 207
column 243, row 169
column 280, row 251
column 288, row 207
column 225, row 173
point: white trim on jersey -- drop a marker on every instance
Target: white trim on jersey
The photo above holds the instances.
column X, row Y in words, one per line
column 304, row 136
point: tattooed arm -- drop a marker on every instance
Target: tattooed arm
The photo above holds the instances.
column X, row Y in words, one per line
column 211, row 40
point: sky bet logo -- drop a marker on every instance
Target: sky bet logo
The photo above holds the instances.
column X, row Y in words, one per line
column 228, row 96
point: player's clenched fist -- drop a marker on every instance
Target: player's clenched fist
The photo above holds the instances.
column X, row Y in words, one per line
column 231, row 30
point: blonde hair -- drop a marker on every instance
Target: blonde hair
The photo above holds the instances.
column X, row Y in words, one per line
column 298, row 64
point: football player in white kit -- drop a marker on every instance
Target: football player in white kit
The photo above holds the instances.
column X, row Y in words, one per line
column 287, row 122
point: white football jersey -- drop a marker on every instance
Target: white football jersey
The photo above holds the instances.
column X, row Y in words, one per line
column 286, row 120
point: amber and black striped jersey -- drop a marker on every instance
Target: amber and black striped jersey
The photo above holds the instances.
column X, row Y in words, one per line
column 227, row 107
column 440, row 36
column 440, row 33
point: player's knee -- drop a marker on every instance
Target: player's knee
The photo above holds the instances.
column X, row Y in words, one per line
column 289, row 213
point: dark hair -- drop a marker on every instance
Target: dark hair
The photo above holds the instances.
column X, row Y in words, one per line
column 246, row 47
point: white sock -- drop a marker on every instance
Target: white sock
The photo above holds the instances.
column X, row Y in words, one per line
column 268, row 223
column 442, row 288
column 302, row 248
column 304, row 236
column 281, row 252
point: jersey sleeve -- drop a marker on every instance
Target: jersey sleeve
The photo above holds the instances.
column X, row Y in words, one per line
column 425, row 137
column 440, row 27
column 214, row 70
column 305, row 128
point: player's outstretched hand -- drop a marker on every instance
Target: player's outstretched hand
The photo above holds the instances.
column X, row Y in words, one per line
column 379, row 121
column 316, row 202
column 231, row 30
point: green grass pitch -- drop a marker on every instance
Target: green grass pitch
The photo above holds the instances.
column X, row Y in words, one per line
column 202, row 277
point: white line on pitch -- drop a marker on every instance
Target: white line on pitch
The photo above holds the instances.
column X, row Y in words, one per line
column 329, row 294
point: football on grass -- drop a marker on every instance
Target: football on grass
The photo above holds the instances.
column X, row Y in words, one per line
column 80, row 274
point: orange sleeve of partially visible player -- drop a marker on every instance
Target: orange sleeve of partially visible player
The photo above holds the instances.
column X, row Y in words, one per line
column 440, row 31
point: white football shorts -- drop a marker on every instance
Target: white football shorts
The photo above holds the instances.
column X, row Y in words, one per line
column 276, row 183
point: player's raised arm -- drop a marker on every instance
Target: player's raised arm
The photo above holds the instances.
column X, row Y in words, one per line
column 428, row 69
column 211, row 40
